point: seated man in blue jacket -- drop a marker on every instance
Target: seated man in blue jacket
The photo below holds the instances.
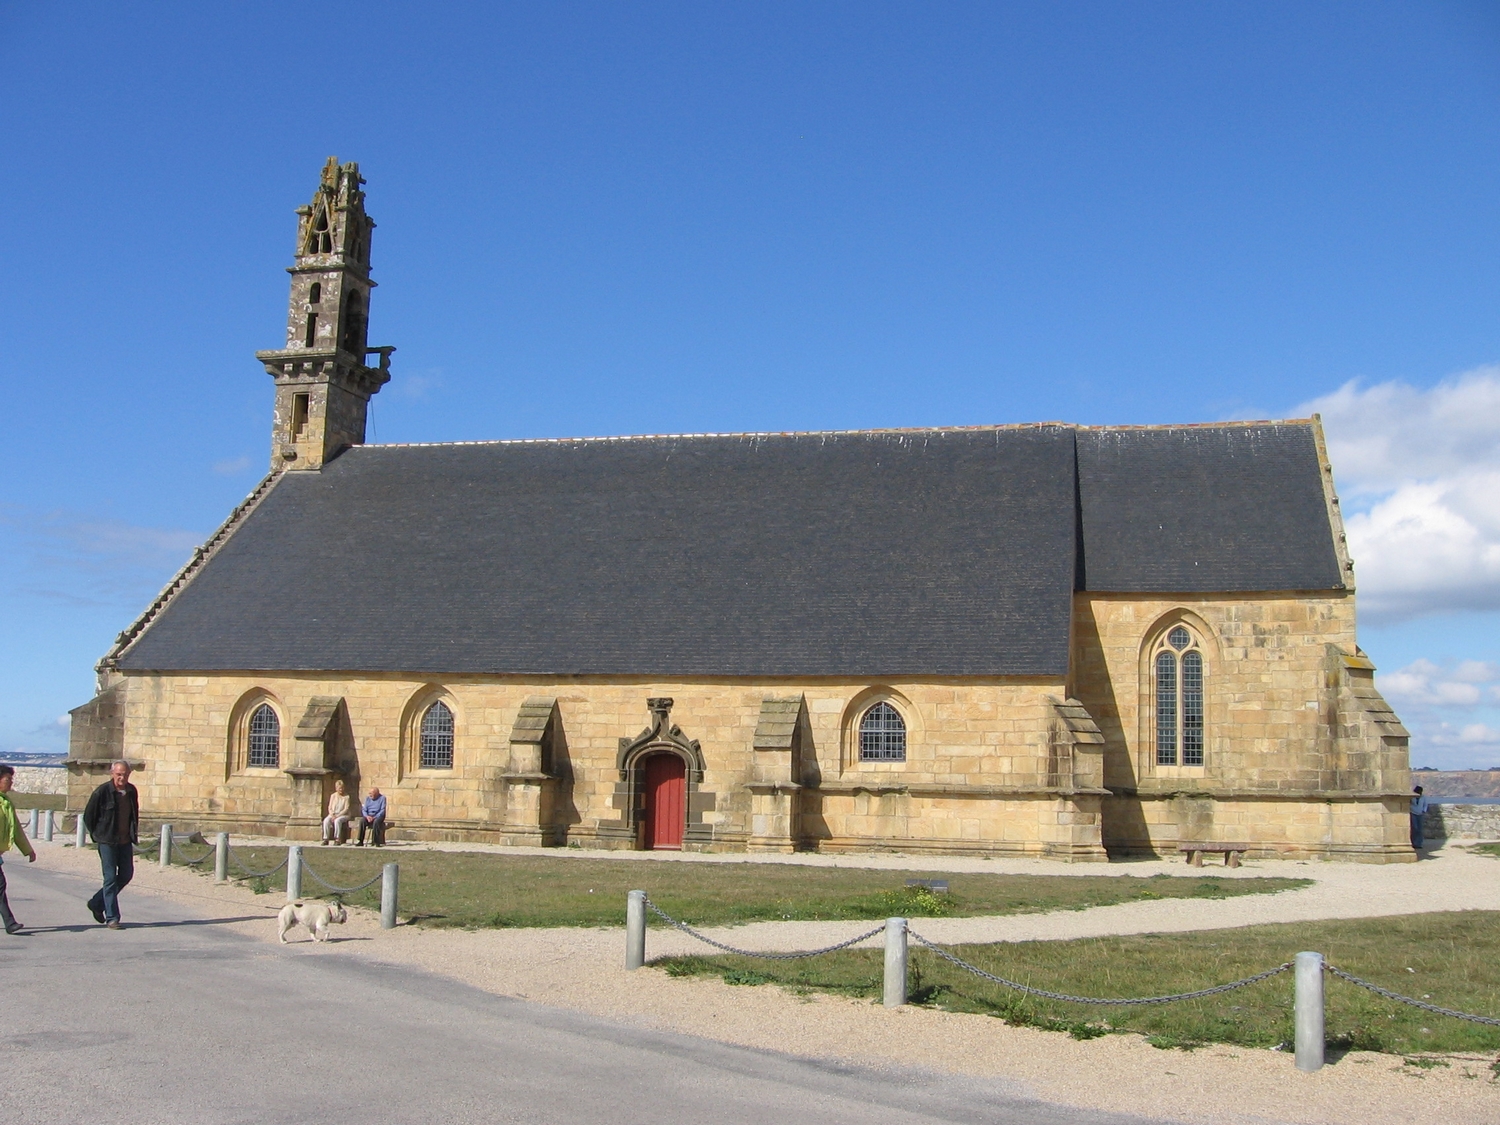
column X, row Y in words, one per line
column 372, row 819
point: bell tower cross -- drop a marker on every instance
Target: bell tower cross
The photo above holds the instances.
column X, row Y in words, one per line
column 323, row 385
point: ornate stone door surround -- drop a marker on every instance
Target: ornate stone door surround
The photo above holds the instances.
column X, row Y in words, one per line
column 629, row 796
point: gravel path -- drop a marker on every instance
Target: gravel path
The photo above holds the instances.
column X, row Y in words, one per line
column 580, row 970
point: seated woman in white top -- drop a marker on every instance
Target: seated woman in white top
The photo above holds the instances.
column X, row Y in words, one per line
column 338, row 815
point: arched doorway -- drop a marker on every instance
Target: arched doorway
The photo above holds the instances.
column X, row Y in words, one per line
column 664, row 812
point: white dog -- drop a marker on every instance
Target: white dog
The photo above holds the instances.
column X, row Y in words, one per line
column 316, row 917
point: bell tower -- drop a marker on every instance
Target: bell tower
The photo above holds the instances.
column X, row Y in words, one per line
column 323, row 385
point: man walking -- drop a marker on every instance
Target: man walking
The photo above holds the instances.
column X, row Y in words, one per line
column 10, row 833
column 113, row 818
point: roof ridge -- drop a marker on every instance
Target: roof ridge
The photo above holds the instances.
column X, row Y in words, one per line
column 996, row 426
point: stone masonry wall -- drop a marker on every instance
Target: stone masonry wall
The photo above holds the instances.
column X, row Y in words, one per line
column 970, row 747
column 1462, row 822
column 1270, row 723
column 48, row 780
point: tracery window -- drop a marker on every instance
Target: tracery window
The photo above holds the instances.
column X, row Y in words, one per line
column 882, row 735
column 263, row 746
column 436, row 738
column 1179, row 699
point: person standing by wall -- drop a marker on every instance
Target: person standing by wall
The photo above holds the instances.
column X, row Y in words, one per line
column 11, row 832
column 1418, row 815
column 113, row 819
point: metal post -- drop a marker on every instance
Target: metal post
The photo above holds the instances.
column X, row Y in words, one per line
column 389, row 879
column 49, row 821
column 635, row 929
column 166, row 845
column 31, row 823
column 294, row 873
column 81, row 839
column 895, row 962
column 221, row 858
column 1307, row 1011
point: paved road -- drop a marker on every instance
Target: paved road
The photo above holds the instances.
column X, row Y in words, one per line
column 174, row 1020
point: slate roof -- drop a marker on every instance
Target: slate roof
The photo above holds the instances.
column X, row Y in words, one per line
column 1200, row 509
column 872, row 554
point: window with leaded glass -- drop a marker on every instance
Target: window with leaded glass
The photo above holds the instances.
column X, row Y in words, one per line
column 1178, row 666
column 882, row 735
column 437, row 738
column 264, row 744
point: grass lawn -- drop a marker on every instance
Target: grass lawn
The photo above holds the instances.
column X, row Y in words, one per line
column 471, row 889
column 1451, row 959
column 53, row 801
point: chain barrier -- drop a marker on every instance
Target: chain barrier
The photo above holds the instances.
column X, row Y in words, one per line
column 195, row 862
column 1426, row 1007
column 1117, row 1001
column 685, row 928
column 256, row 874
column 306, row 870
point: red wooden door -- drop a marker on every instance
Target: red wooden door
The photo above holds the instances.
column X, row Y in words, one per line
column 666, row 801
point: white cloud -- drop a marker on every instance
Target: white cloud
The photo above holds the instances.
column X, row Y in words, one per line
column 232, row 466
column 1449, row 709
column 1471, row 683
column 1420, row 473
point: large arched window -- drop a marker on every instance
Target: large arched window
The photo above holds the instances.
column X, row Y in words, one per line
column 263, row 746
column 882, row 735
column 1179, row 699
column 437, row 738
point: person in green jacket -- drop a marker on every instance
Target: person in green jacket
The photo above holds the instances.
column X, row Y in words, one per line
column 11, row 832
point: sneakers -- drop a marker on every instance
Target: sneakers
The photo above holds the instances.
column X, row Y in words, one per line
column 113, row 925
column 97, row 912
column 14, row 928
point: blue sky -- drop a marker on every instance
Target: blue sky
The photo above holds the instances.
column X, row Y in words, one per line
column 606, row 218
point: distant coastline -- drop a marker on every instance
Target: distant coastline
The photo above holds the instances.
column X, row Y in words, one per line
column 34, row 758
column 1448, row 785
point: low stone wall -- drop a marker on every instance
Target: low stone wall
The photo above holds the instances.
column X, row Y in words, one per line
column 41, row 779
column 1462, row 822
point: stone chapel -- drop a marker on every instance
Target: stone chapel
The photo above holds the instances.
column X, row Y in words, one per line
column 1050, row 639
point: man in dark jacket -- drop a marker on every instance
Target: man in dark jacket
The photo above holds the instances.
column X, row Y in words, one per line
column 113, row 818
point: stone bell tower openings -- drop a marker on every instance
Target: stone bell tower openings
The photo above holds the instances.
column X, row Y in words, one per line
column 323, row 385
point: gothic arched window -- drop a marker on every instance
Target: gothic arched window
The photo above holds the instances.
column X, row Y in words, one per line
column 320, row 236
column 1179, row 699
column 882, row 735
column 437, row 738
column 263, row 747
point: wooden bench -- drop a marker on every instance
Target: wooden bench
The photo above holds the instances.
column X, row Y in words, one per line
column 1231, row 852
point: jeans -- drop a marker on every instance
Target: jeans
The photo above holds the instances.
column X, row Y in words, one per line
column 333, row 827
column 1416, row 830
column 376, row 828
column 5, row 915
column 118, row 861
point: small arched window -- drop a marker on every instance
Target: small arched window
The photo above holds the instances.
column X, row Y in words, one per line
column 1179, row 699
column 264, row 742
column 315, row 294
column 882, row 735
column 437, row 738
